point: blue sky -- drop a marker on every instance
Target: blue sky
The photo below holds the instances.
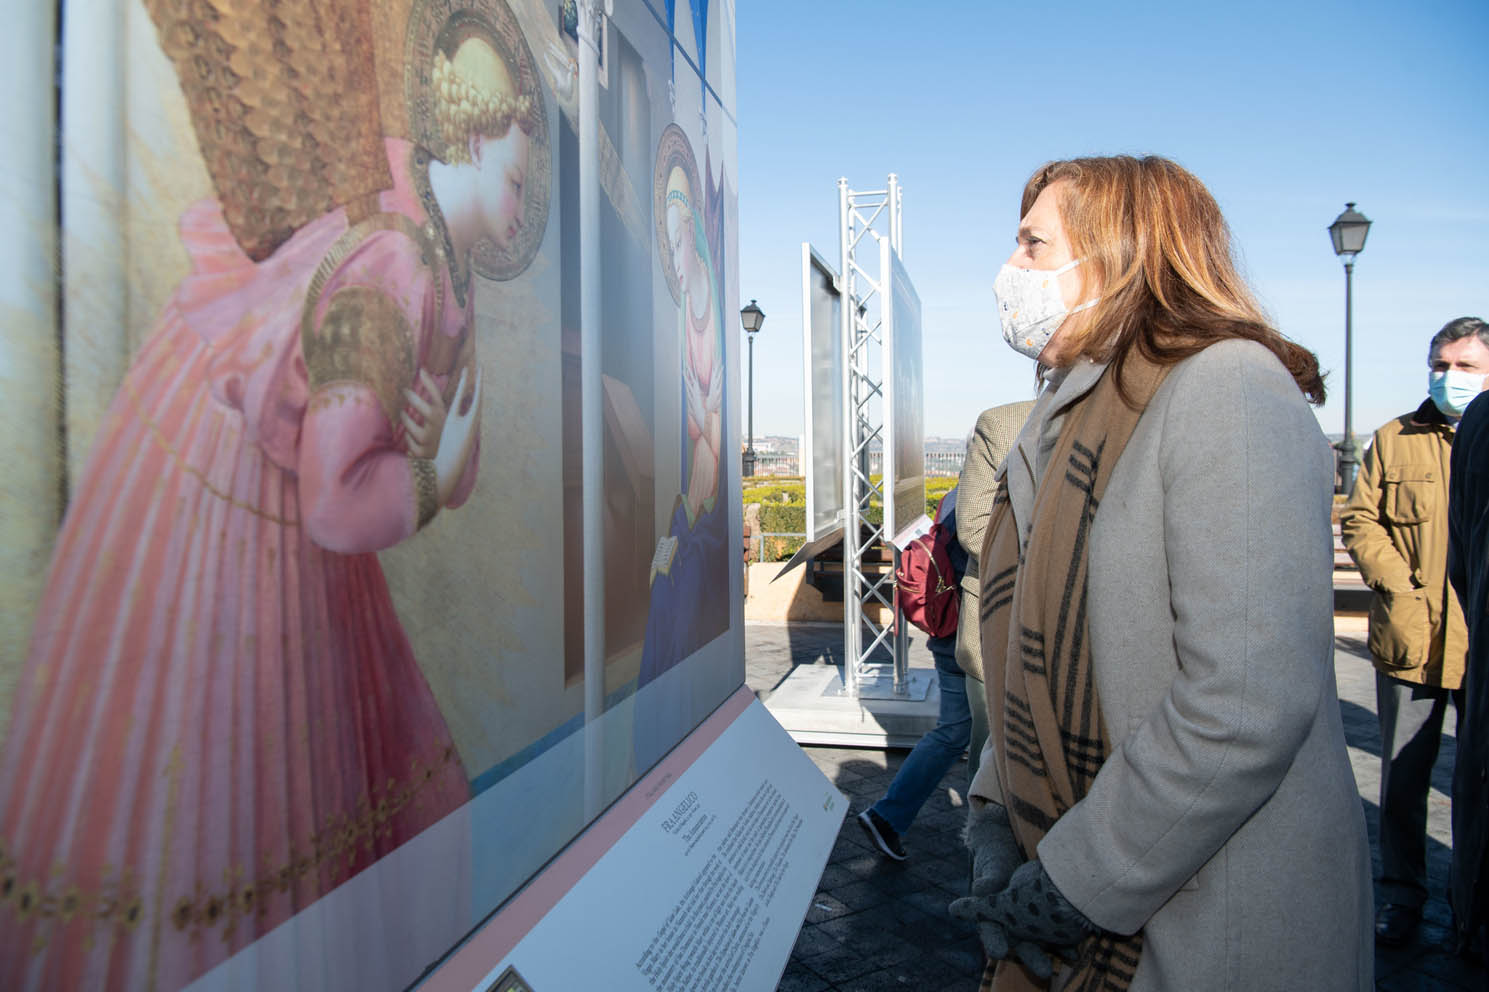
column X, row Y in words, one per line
column 1285, row 110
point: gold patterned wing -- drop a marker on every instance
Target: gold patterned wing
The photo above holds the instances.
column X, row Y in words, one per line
column 284, row 100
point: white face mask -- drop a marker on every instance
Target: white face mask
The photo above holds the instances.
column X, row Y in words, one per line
column 1030, row 307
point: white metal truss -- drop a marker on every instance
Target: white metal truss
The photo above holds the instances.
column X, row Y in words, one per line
column 873, row 216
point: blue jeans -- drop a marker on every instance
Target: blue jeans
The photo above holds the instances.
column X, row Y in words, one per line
column 937, row 751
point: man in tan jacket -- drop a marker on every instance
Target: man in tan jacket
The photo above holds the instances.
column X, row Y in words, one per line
column 1396, row 529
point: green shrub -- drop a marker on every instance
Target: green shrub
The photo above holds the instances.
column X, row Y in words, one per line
column 776, row 518
column 785, row 491
column 936, row 487
column 783, row 509
column 781, row 518
column 781, row 548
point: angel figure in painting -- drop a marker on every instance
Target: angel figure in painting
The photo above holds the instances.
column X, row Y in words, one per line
column 690, row 570
column 220, row 718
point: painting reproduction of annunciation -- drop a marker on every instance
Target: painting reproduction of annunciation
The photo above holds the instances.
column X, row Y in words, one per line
column 368, row 529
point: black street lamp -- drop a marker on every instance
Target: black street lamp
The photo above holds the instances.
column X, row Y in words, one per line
column 752, row 317
column 1348, row 234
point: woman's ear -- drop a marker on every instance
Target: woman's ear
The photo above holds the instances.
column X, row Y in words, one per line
column 475, row 145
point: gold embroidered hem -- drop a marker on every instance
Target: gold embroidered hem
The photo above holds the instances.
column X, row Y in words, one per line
column 426, row 490
column 336, row 844
column 117, row 902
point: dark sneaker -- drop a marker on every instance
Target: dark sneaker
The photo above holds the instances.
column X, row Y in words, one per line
column 1395, row 924
column 882, row 834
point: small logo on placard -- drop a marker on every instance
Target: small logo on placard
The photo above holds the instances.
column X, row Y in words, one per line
column 510, row 981
column 827, row 803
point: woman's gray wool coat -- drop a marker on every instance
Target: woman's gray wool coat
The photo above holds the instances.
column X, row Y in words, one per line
column 1225, row 823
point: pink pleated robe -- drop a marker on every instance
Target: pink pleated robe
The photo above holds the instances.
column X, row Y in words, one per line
column 220, row 718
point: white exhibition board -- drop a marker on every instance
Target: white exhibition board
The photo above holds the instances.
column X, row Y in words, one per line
column 904, row 402
column 698, row 878
column 823, row 448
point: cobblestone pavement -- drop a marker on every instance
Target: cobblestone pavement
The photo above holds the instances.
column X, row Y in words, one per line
column 875, row 924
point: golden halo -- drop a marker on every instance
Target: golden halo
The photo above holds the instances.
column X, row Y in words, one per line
column 440, row 26
column 673, row 152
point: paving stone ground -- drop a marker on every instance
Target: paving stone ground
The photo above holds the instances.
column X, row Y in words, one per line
column 875, row 924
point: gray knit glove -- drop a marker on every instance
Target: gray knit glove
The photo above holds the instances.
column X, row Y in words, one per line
column 1029, row 910
column 995, row 853
column 995, row 857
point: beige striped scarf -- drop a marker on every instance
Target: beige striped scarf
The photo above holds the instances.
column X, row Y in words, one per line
column 1042, row 707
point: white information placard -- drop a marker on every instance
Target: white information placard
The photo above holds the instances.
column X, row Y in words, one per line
column 698, row 879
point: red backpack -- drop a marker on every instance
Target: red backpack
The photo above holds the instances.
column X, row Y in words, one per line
column 926, row 578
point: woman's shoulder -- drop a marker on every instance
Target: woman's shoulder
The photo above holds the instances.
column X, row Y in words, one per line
column 1236, row 354
column 1235, row 388
column 1229, row 367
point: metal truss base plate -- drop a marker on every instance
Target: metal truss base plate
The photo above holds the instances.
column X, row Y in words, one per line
column 812, row 713
column 875, row 686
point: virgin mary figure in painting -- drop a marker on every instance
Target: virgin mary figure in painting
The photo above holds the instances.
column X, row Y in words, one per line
column 690, row 570
column 220, row 718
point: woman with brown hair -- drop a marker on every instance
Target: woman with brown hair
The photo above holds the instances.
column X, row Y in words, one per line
column 1165, row 800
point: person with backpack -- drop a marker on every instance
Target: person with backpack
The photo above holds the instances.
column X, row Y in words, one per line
column 929, row 586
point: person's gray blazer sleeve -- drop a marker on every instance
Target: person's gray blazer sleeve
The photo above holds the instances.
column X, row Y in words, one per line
column 1245, row 477
column 992, row 439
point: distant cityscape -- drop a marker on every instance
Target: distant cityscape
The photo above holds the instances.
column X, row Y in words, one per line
column 777, row 455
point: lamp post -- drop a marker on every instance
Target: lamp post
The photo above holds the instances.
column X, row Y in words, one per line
column 752, row 317
column 1348, row 234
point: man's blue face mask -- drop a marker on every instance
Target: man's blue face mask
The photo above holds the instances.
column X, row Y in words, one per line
column 1453, row 389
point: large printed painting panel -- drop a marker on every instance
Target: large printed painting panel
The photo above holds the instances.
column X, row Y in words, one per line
column 303, row 674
